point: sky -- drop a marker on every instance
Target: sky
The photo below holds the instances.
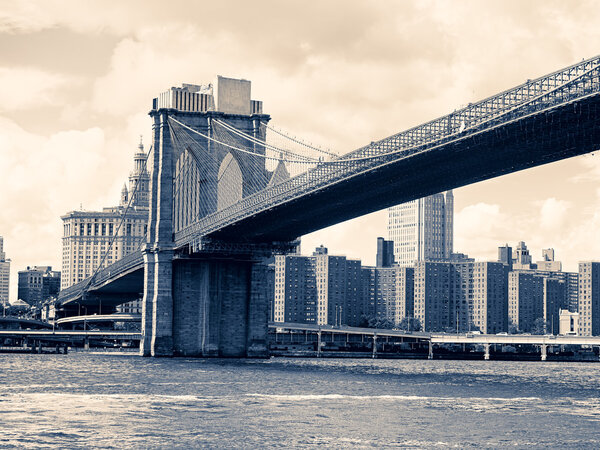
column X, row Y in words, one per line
column 77, row 79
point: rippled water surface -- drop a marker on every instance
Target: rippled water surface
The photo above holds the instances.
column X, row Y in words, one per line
column 107, row 400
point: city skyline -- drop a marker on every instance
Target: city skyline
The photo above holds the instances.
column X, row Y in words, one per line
column 69, row 129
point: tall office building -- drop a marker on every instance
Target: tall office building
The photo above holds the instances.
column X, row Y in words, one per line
column 385, row 253
column 422, row 230
column 99, row 238
column 4, row 275
column 37, row 284
column 589, row 298
column 505, row 256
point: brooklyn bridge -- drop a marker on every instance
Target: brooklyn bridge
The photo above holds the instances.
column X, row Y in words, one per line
column 228, row 190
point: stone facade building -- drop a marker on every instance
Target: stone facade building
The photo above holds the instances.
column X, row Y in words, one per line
column 93, row 239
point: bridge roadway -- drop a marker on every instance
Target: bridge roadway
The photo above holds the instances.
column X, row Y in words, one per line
column 23, row 323
column 289, row 326
column 107, row 334
column 443, row 338
column 476, row 156
column 516, row 339
column 95, row 318
column 544, row 120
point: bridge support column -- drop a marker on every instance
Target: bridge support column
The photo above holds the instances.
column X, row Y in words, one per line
column 543, row 349
column 147, row 301
column 430, row 354
column 161, row 343
column 220, row 307
column 258, row 312
column 319, row 344
column 486, row 355
column 374, row 356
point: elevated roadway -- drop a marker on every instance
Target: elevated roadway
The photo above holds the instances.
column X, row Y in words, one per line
column 514, row 339
column 14, row 322
column 40, row 334
column 289, row 326
column 99, row 318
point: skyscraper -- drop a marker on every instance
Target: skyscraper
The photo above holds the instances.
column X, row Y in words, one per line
column 385, row 253
column 4, row 274
column 422, row 230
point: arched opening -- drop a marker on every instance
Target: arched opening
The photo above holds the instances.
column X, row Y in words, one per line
column 229, row 184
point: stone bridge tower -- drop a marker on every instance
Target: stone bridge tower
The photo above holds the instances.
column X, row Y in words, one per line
column 209, row 303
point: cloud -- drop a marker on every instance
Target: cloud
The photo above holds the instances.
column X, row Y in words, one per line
column 44, row 178
column 339, row 74
column 24, row 88
column 553, row 213
column 355, row 239
column 480, row 229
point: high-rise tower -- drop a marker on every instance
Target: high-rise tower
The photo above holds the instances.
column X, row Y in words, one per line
column 422, row 230
column 4, row 274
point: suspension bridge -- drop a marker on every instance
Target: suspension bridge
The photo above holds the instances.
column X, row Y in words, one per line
column 228, row 189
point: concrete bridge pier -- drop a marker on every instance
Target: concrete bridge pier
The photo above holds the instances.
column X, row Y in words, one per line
column 319, row 344
column 147, row 299
column 220, row 307
column 486, row 355
column 210, row 306
column 161, row 343
column 543, row 352
column 374, row 356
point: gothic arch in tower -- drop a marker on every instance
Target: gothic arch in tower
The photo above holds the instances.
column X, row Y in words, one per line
column 229, row 182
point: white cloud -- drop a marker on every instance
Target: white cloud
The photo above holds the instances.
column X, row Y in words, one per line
column 44, row 178
column 340, row 80
column 25, row 88
column 480, row 229
column 553, row 213
column 355, row 239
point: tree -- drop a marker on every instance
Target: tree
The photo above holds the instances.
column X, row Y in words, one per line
column 540, row 326
column 369, row 321
column 410, row 324
column 513, row 329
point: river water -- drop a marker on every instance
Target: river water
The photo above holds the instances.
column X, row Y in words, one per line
column 124, row 401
